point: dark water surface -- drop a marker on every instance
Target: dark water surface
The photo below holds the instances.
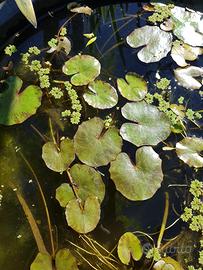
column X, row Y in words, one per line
column 111, row 24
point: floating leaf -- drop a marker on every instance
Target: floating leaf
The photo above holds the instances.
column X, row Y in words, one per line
column 88, row 182
column 188, row 26
column 64, row 194
column 157, row 43
column 101, row 95
column 58, row 159
column 95, row 145
column 151, row 126
column 42, row 261
column 140, row 181
column 65, row 260
column 167, row 263
column 84, row 68
column 83, row 220
column 15, row 105
column 63, row 44
column 182, row 52
column 186, row 77
column 26, row 7
column 129, row 246
column 133, row 88
column 189, row 150
column 84, row 10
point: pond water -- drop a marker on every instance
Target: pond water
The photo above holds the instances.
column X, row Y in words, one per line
column 21, row 145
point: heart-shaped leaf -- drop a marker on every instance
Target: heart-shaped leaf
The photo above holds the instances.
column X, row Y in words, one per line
column 42, row 261
column 186, row 77
column 151, row 126
column 64, row 260
column 129, row 246
column 56, row 158
column 16, row 106
column 157, row 43
column 83, row 220
column 26, row 7
column 64, row 194
column 83, row 68
column 189, row 150
column 140, row 181
column 95, row 145
column 167, row 263
column 101, row 95
column 133, row 88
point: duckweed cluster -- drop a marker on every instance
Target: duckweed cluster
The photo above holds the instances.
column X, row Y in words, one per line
column 161, row 13
column 163, row 84
column 10, row 49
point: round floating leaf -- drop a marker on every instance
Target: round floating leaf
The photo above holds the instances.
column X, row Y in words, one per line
column 95, row 145
column 133, row 88
column 167, row 263
column 151, row 126
column 129, row 246
column 83, row 220
column 140, row 181
column 189, row 150
column 88, row 182
column 64, row 194
column 42, row 261
column 58, row 160
column 17, row 106
column 157, row 43
column 84, row 68
column 65, row 260
column 186, row 77
column 101, row 95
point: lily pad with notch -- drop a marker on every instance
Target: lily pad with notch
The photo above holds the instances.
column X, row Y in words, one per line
column 133, row 87
column 59, row 158
column 150, row 125
column 95, row 145
column 83, row 69
column 101, row 95
column 16, row 106
column 138, row 181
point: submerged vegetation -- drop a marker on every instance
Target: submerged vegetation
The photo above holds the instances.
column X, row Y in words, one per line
column 121, row 129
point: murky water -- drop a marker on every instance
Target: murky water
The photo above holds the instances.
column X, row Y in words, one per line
column 22, row 143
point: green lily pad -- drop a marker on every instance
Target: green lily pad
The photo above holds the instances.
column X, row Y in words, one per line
column 95, row 145
column 42, row 261
column 129, row 246
column 157, row 43
column 65, row 260
column 64, row 194
column 83, row 68
column 151, row 126
column 101, row 95
column 86, row 219
column 167, row 263
column 133, row 88
column 58, row 160
column 189, row 150
column 140, row 181
column 17, row 106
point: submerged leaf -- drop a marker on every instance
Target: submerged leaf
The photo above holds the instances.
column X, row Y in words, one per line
column 95, row 145
column 64, row 194
column 83, row 220
column 133, row 88
column 101, row 95
column 140, row 181
column 189, row 150
column 83, row 68
column 42, row 261
column 150, row 125
column 65, row 260
column 26, row 7
column 129, row 246
column 17, row 106
column 186, row 77
column 58, row 159
column 157, row 43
